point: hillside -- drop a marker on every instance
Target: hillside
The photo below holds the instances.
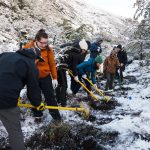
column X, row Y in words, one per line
column 28, row 16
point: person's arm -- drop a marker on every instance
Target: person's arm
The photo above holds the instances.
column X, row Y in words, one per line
column 81, row 67
column 33, row 89
column 28, row 73
column 52, row 64
column 93, row 77
column 125, row 58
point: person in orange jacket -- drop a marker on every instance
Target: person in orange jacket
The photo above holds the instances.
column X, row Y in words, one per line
column 47, row 73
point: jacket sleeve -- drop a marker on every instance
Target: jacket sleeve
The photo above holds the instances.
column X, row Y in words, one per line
column 81, row 67
column 33, row 89
column 93, row 77
column 52, row 64
column 125, row 58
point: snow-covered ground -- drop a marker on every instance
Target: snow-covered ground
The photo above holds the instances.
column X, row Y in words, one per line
column 130, row 119
column 133, row 124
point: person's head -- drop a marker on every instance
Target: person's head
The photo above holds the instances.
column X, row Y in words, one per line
column 119, row 47
column 41, row 39
column 115, row 49
column 32, row 53
column 98, row 61
column 113, row 53
column 99, row 41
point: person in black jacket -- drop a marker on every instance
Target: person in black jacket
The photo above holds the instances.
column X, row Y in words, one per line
column 74, row 57
column 122, row 56
column 17, row 70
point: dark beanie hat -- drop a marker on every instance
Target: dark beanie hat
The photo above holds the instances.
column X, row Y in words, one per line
column 119, row 46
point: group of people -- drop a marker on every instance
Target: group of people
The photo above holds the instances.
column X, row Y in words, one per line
column 114, row 65
column 34, row 65
column 74, row 60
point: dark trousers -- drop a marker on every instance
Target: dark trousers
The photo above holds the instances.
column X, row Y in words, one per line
column 61, row 95
column 75, row 86
column 48, row 91
column 110, row 80
column 62, row 87
column 119, row 74
column 11, row 121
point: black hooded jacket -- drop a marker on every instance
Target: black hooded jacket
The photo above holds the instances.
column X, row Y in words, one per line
column 122, row 56
column 74, row 58
column 17, row 70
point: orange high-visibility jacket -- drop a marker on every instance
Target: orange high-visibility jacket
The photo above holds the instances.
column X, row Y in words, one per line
column 48, row 67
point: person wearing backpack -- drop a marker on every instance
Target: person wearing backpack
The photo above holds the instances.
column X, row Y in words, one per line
column 17, row 70
column 96, row 48
column 47, row 73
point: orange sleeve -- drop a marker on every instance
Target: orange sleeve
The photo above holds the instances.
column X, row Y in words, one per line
column 52, row 64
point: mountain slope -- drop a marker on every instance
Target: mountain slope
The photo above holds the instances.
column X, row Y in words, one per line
column 29, row 16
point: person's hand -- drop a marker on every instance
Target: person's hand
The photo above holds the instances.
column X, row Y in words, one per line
column 76, row 78
column 121, row 64
column 84, row 76
column 95, row 85
column 54, row 83
column 40, row 107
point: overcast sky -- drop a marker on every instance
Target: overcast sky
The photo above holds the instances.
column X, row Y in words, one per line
column 119, row 7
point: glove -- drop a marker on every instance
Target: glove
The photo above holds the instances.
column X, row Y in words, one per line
column 55, row 83
column 84, row 76
column 95, row 85
column 41, row 107
column 76, row 78
column 121, row 64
